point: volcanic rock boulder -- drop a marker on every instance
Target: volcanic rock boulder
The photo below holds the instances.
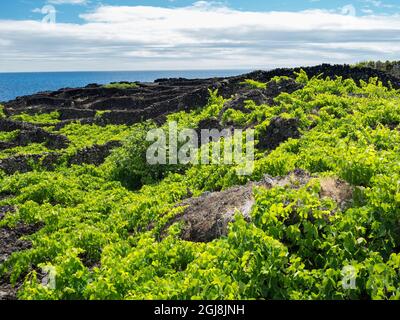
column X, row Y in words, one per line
column 207, row 218
column 278, row 131
column 340, row 191
column 209, row 124
column 275, row 88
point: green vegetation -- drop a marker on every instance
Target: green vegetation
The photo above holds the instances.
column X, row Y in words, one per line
column 88, row 135
column 8, row 136
column 31, row 149
column 2, row 115
column 129, row 164
column 80, row 136
column 41, row 118
column 121, row 85
column 255, row 84
column 103, row 235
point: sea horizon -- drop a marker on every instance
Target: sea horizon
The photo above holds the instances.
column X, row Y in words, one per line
column 16, row 84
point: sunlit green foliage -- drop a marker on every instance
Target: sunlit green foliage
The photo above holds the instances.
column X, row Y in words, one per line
column 2, row 114
column 31, row 149
column 255, row 84
column 8, row 136
column 129, row 163
column 80, row 136
column 87, row 135
column 40, row 118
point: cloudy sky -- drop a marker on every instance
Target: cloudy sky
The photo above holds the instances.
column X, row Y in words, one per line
column 70, row 35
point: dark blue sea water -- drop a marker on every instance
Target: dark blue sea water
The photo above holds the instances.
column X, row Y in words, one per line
column 13, row 85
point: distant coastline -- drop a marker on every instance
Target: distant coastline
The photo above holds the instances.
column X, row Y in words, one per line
column 17, row 84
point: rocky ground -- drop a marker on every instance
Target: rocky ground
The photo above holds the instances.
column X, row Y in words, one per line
column 206, row 218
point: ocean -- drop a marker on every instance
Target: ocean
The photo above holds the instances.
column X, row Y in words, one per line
column 13, row 85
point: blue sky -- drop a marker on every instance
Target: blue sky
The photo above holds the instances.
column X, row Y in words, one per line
column 191, row 34
column 22, row 9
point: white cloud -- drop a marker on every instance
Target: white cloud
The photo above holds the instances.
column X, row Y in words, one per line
column 199, row 36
